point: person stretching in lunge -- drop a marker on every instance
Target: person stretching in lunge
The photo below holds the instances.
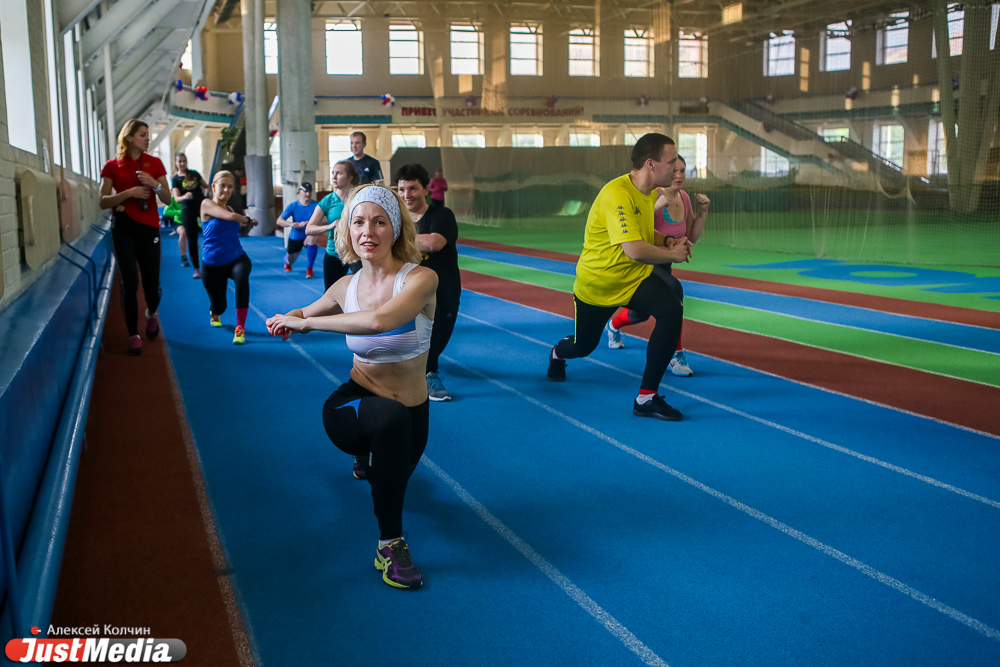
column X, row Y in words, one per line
column 381, row 413
column 674, row 218
column 615, row 269
column 295, row 217
column 222, row 255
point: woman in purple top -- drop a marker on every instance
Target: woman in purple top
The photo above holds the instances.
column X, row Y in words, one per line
column 222, row 256
column 437, row 187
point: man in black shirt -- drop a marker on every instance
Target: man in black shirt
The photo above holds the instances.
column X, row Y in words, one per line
column 437, row 233
column 369, row 169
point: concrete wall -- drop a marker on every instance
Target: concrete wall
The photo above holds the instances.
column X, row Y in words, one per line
column 17, row 276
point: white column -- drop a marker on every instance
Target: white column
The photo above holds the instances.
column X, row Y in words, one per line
column 109, row 100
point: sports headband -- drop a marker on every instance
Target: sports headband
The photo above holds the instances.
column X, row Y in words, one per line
column 384, row 198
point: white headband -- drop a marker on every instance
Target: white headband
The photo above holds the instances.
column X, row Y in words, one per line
column 384, row 198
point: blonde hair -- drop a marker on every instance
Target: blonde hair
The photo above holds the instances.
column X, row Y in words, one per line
column 130, row 127
column 222, row 173
column 403, row 249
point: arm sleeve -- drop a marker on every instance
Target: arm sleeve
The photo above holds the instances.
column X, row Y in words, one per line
column 176, row 182
column 444, row 223
column 621, row 219
column 287, row 213
column 377, row 170
column 108, row 170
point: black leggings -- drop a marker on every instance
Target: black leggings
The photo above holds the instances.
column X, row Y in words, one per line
column 664, row 272
column 390, row 435
column 445, row 314
column 653, row 296
column 215, row 279
column 136, row 245
column 189, row 219
column 333, row 269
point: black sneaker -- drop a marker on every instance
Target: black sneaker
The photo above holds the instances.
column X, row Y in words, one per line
column 657, row 409
column 184, row 261
column 557, row 368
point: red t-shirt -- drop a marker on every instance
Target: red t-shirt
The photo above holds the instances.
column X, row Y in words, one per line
column 122, row 172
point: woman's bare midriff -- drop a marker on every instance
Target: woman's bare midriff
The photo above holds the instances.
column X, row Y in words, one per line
column 403, row 381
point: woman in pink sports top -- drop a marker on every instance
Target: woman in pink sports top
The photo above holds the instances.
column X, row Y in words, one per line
column 673, row 216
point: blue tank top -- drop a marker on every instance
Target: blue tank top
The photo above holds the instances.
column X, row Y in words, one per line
column 220, row 242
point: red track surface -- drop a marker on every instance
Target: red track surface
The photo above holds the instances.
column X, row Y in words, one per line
column 885, row 304
column 955, row 401
column 137, row 553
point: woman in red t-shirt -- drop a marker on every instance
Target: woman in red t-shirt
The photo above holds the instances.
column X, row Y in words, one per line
column 137, row 179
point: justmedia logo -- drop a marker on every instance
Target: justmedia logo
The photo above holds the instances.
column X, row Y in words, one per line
column 94, row 649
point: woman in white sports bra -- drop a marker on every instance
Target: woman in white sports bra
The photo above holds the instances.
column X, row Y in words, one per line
column 673, row 216
column 380, row 416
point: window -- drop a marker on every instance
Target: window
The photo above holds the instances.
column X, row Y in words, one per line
column 692, row 56
column 583, row 53
column 270, row 47
column 888, row 143
column 469, row 140
column 343, row 48
column 17, row 76
column 956, row 28
column 186, row 59
column 532, row 140
column 994, row 16
column 772, row 164
column 937, row 155
column 779, row 55
column 466, row 49
column 693, row 147
column 526, row 50
column 72, row 102
column 835, row 47
column 638, row 52
column 891, row 40
column 338, row 147
column 408, row 141
column 406, row 50
column 584, row 139
column 275, row 152
column 54, row 106
column 195, row 153
column 835, row 134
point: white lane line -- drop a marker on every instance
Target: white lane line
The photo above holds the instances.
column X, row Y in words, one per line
column 805, row 436
column 586, row 603
column 867, row 570
column 578, row 596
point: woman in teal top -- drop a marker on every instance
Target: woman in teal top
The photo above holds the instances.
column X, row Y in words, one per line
column 324, row 219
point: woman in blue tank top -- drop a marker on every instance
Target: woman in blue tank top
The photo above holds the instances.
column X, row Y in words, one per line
column 381, row 415
column 222, row 256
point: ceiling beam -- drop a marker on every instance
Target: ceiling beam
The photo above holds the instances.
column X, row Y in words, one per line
column 70, row 12
column 113, row 22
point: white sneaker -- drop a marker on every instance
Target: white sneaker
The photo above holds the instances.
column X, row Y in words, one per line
column 614, row 337
column 678, row 365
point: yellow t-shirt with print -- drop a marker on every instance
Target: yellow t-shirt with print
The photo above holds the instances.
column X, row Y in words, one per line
column 605, row 276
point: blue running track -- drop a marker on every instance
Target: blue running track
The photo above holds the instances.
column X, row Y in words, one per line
column 777, row 524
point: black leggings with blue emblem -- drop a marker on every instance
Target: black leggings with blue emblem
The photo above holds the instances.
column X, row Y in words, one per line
column 391, row 436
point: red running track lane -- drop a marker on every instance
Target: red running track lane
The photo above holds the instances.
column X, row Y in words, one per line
column 932, row 311
column 946, row 399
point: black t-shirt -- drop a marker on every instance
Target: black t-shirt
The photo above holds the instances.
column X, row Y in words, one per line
column 441, row 220
column 190, row 182
column 369, row 169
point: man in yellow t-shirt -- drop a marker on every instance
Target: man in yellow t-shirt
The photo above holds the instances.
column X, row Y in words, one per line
column 620, row 249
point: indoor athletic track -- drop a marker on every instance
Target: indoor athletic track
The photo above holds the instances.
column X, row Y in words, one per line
column 805, row 512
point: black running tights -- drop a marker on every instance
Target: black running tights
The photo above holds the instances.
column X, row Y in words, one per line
column 216, row 281
column 653, row 296
column 137, row 249
column 391, row 436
